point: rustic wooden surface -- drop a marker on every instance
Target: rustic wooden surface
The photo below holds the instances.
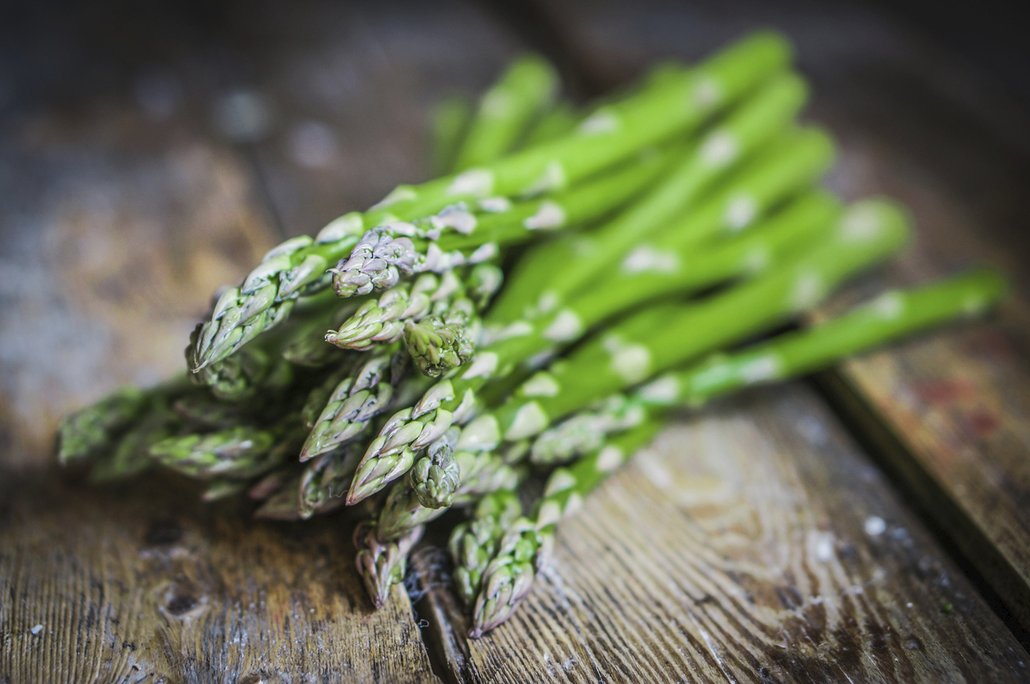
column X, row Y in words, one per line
column 757, row 523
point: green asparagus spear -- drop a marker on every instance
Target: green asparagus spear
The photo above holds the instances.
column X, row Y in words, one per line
column 473, row 543
column 507, row 110
column 525, row 544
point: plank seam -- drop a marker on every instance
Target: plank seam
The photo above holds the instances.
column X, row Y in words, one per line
column 959, row 537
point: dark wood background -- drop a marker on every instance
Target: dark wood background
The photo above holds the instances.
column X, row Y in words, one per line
column 870, row 524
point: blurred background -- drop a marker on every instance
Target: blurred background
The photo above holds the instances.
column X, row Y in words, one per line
column 151, row 151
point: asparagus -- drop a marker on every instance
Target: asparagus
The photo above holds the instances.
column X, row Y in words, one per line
column 384, row 544
column 667, row 335
column 298, row 266
column 888, row 317
column 481, row 473
column 219, row 489
column 725, row 162
column 659, row 268
column 526, row 543
column 459, row 235
column 306, row 345
column 382, row 564
column 239, row 452
column 448, row 122
column 442, row 343
column 324, row 481
column 380, row 321
column 96, row 428
column 560, row 121
column 358, row 394
column 474, row 542
column 243, row 375
column 91, row 429
column 435, row 478
column 392, row 452
column 892, row 315
column 129, row 456
column 506, row 111
column 380, row 259
column 383, row 320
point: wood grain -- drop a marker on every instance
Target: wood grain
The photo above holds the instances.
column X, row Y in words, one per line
column 117, row 227
column 916, row 123
column 752, row 542
column 142, row 582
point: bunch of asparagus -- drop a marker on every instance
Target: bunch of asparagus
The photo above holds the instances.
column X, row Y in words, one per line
column 536, row 312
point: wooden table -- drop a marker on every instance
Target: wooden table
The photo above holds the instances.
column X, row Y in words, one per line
column 868, row 525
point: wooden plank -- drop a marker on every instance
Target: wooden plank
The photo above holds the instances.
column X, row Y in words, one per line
column 119, row 221
column 915, row 123
column 142, row 582
column 751, row 542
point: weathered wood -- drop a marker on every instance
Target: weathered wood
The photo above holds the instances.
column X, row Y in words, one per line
column 952, row 414
column 914, row 123
column 753, row 541
column 117, row 229
column 142, row 582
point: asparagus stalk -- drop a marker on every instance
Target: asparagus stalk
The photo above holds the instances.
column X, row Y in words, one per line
column 524, row 548
column 382, row 320
column 129, row 455
column 459, row 235
column 659, row 268
column 436, row 477
column 95, row 429
column 612, row 134
column 90, row 429
column 359, row 393
column 890, row 316
column 240, row 452
column 242, row 376
column 481, row 473
column 392, row 452
column 474, row 543
column 324, row 481
column 449, row 122
column 380, row 259
column 383, row 544
column 664, row 336
column 306, row 344
column 442, row 343
column 380, row 563
column 506, row 111
column 558, row 122
column 783, row 162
